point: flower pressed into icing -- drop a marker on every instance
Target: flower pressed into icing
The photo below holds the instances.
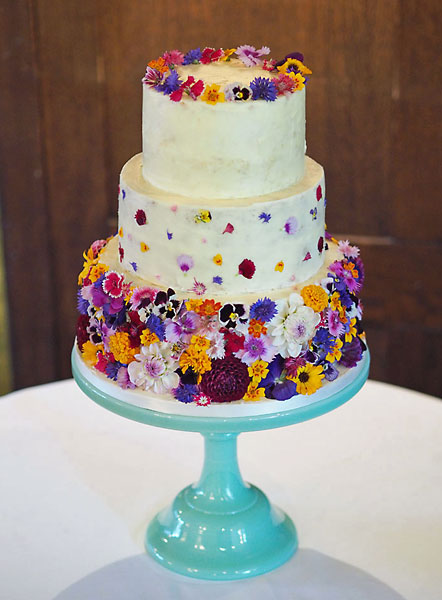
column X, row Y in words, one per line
column 153, row 368
column 293, row 326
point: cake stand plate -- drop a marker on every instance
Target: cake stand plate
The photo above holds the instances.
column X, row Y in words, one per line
column 222, row 528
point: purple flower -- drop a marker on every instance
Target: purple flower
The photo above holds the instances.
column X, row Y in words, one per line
column 82, row 304
column 263, row 309
column 314, row 213
column 330, row 371
column 156, row 325
column 291, row 226
column 182, row 328
column 170, row 84
column 185, row 262
column 263, row 88
column 250, row 56
column 256, row 348
column 275, row 383
column 193, row 56
column 265, row 217
column 324, row 341
column 335, row 326
column 134, row 266
column 351, row 353
column 186, row 392
column 112, row 369
column 218, row 280
column 169, row 235
column 296, row 55
column 123, row 379
column 152, row 77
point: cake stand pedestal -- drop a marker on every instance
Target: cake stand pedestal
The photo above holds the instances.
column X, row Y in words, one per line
column 222, row 528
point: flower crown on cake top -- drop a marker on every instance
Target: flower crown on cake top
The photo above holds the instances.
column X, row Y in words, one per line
column 281, row 78
column 205, row 350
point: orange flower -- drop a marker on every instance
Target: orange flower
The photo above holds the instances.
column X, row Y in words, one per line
column 218, row 260
column 208, row 308
column 159, row 64
column 193, row 304
column 315, row 297
column 144, row 247
column 257, row 327
column 279, row 266
column 120, row 232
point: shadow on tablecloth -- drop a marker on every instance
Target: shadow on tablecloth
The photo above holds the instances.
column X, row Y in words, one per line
column 309, row 575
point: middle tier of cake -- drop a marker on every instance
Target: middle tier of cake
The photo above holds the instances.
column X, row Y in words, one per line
column 222, row 246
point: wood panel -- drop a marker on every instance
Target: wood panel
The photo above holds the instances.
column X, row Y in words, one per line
column 373, row 107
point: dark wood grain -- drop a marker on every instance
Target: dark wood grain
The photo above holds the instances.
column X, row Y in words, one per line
column 72, row 113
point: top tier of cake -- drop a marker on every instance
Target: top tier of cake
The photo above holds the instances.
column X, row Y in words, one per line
column 223, row 148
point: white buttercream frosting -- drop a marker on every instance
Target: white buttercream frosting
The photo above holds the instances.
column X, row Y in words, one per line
column 228, row 150
column 230, row 246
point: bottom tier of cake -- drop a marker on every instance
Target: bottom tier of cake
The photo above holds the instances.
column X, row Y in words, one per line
column 192, row 349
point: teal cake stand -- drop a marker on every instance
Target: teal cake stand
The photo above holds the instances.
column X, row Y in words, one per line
column 222, row 528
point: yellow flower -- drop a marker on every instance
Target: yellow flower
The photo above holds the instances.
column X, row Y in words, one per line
column 280, row 266
column 296, row 63
column 335, row 353
column 254, row 392
column 218, row 259
column 298, row 79
column 351, row 333
column 148, row 337
column 199, row 343
column 119, row 345
column 258, row 370
column 144, row 247
column 193, row 304
column 120, row 232
column 335, row 304
column 212, row 95
column 204, row 216
column 195, row 359
column 90, row 351
column 308, row 379
column 315, row 297
column 228, row 53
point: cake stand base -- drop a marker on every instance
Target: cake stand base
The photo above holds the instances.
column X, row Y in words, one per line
column 221, row 527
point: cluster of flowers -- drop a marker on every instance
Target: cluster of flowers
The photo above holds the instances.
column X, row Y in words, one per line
column 287, row 75
column 203, row 351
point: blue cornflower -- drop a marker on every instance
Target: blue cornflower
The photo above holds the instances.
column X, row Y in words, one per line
column 263, row 88
column 263, row 309
column 217, row 279
column 112, row 369
column 134, row 266
column 185, row 392
column 170, row 84
column 265, row 217
column 156, row 325
column 82, row 304
column 193, row 56
column 324, row 341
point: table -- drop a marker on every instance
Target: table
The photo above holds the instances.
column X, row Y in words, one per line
column 79, row 485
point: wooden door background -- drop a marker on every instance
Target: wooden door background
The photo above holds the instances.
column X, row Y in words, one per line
column 70, row 112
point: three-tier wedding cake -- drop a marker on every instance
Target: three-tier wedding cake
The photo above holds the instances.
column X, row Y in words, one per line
column 222, row 284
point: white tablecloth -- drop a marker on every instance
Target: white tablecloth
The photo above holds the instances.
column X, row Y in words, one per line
column 79, row 484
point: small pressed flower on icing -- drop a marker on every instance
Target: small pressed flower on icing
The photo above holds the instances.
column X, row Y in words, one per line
column 307, row 257
column 185, row 262
column 169, row 235
column 120, row 232
column 247, row 268
column 140, row 217
column 204, row 216
column 320, row 244
column 198, row 288
column 229, row 228
column 265, row 217
column 315, row 297
column 279, row 266
column 212, row 94
column 144, row 247
column 318, row 193
column 291, row 226
column 218, row 259
column 314, row 213
column 217, row 280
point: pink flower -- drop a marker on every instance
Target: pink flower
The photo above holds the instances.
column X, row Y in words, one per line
column 307, row 257
column 229, row 228
column 190, row 87
column 347, row 249
column 198, row 287
column 140, row 294
column 335, row 326
column 268, row 65
column 152, row 77
column 318, row 193
column 284, row 84
column 140, row 217
column 174, row 57
column 185, row 262
column 256, row 349
column 113, row 284
column 250, row 56
column 123, row 379
column 202, row 399
column 97, row 246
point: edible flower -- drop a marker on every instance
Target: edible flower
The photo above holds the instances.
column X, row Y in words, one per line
column 264, row 88
column 212, row 94
column 250, row 56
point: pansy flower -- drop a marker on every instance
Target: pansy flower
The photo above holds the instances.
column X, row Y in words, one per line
column 276, row 384
column 237, row 92
column 232, row 314
column 167, row 304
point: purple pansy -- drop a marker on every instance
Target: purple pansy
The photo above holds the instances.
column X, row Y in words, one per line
column 275, row 383
column 291, row 226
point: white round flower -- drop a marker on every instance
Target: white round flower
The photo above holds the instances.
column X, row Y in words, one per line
column 217, row 345
column 154, row 369
column 293, row 326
